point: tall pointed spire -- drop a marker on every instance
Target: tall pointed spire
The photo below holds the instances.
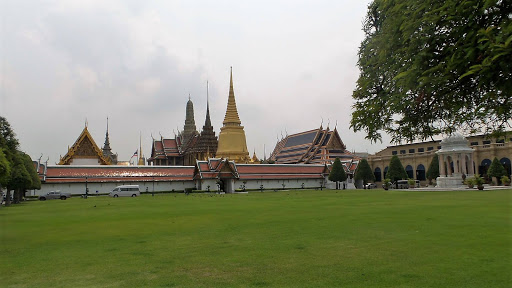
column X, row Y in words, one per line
column 231, row 118
column 106, row 145
column 207, row 122
column 107, row 151
column 141, row 157
column 207, row 143
column 189, row 130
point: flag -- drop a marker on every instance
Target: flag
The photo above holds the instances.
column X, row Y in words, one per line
column 135, row 154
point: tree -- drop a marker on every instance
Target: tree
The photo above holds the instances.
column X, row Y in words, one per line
column 337, row 172
column 430, row 67
column 396, row 170
column 364, row 172
column 433, row 169
column 17, row 171
column 5, row 169
column 20, row 178
column 8, row 139
column 496, row 169
column 31, row 169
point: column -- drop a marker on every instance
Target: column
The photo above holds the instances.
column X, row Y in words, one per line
column 463, row 164
column 472, row 166
column 442, row 172
column 448, row 166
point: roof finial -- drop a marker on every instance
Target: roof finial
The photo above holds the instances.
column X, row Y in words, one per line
column 189, row 96
column 86, row 123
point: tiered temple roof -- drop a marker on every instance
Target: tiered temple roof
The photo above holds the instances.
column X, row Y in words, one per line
column 317, row 146
column 166, row 152
column 216, row 168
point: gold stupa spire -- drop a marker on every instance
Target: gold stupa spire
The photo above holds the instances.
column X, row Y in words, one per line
column 232, row 143
column 231, row 118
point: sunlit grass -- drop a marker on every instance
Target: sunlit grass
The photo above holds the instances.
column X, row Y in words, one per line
column 345, row 238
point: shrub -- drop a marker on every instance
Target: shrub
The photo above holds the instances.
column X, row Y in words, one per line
column 470, row 181
column 505, row 180
column 387, row 183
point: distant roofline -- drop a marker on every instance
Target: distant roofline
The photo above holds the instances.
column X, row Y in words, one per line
column 436, row 141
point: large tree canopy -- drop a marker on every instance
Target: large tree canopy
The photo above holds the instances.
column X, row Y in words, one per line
column 430, row 67
column 17, row 171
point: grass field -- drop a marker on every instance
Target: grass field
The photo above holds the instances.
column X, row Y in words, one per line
column 345, row 238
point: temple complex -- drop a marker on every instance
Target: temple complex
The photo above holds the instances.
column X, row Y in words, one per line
column 85, row 151
column 232, row 143
column 188, row 146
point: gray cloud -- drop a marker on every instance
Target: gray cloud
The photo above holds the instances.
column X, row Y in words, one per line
column 137, row 61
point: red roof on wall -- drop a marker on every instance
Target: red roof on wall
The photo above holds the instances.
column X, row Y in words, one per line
column 56, row 174
column 280, row 171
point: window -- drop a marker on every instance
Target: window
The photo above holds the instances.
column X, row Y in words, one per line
column 411, row 150
column 421, row 150
column 430, row 148
column 500, row 141
column 393, row 153
column 402, row 151
column 474, row 143
column 486, row 142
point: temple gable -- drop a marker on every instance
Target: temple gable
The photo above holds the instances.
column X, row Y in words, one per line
column 84, row 152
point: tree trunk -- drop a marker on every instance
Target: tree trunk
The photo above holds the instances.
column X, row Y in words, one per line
column 8, row 197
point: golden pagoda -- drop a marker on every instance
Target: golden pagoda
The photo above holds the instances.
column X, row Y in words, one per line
column 141, row 161
column 232, row 143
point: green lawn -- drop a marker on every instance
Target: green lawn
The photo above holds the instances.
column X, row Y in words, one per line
column 350, row 238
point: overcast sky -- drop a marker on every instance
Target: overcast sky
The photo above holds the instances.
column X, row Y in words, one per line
column 136, row 62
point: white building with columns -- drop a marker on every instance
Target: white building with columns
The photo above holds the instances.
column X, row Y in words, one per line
column 455, row 160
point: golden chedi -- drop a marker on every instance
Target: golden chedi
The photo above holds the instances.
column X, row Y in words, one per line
column 232, row 143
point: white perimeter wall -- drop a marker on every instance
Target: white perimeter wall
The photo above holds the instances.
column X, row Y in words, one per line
column 79, row 188
column 278, row 184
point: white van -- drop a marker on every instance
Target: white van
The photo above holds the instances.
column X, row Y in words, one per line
column 125, row 190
